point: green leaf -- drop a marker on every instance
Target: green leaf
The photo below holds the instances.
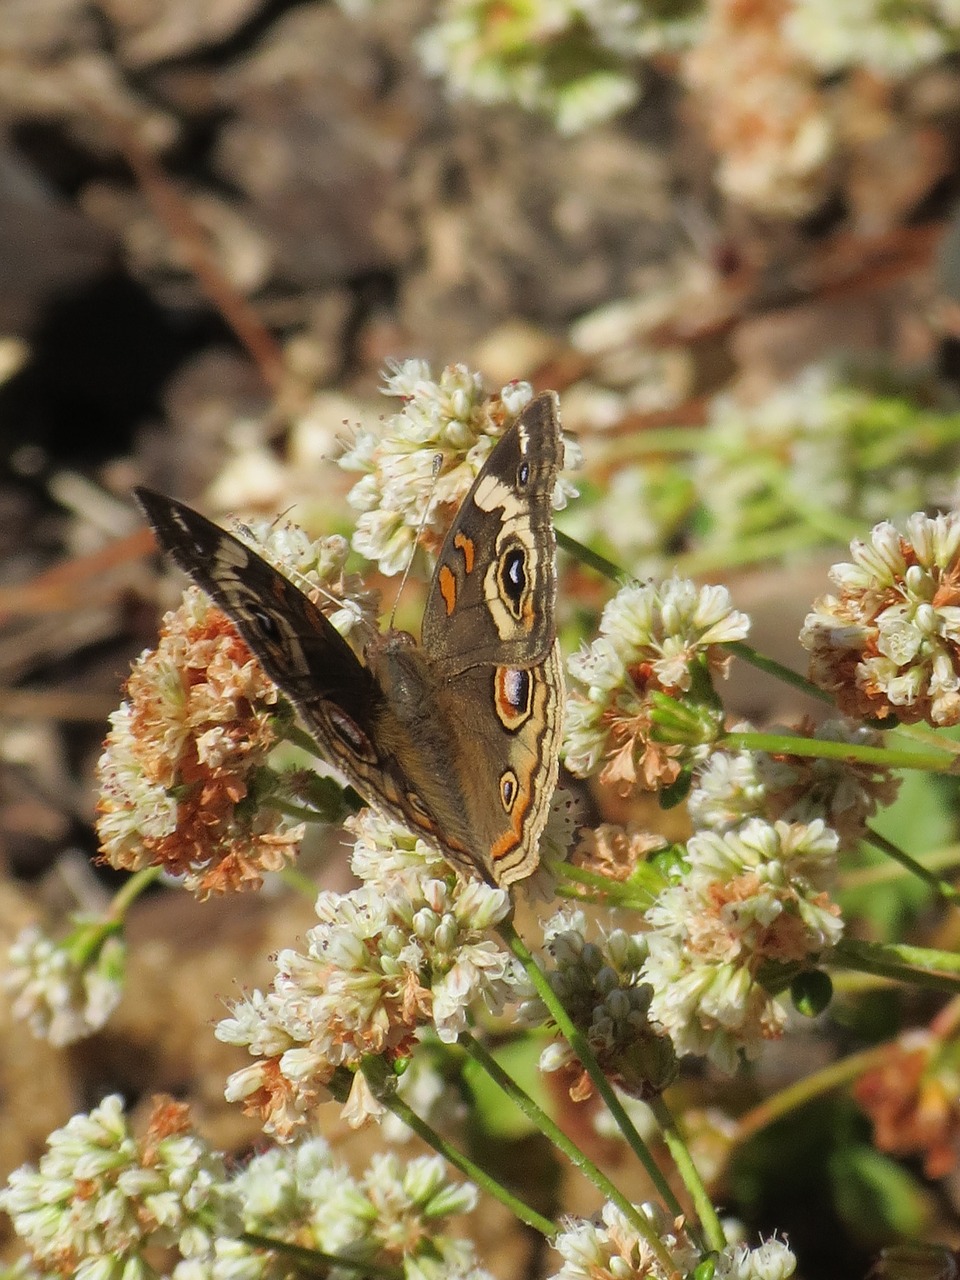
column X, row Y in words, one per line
column 877, row 1198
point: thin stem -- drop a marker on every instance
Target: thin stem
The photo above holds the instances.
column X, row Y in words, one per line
column 578, row 1044
column 555, row 1134
column 467, row 1167
column 848, row 752
column 606, row 568
column 316, row 1262
column 864, row 877
column 802, row 1091
column 919, row 965
column 942, row 887
column 302, row 814
column 712, row 1227
column 128, row 892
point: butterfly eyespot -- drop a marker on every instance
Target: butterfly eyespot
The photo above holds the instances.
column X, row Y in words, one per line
column 509, row 789
column 266, row 623
column 513, row 576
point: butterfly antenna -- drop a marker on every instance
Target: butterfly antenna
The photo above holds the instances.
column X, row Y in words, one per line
column 437, row 464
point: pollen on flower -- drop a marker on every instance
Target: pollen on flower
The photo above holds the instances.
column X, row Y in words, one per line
column 653, row 637
column 888, row 644
column 180, row 765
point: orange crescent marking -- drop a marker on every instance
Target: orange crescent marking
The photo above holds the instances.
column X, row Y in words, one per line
column 465, row 544
column 510, row 839
column 448, row 587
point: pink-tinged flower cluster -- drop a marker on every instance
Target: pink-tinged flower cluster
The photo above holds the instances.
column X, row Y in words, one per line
column 888, row 644
column 101, row 1196
column 748, row 898
column 184, row 756
column 610, row 1247
column 654, row 639
column 384, row 963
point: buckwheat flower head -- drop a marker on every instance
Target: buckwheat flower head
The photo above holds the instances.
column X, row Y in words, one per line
column 406, row 1204
column 317, row 567
column 66, row 990
column 732, row 787
column 100, row 1196
column 891, row 39
column 654, row 638
column 763, row 109
column 754, row 896
column 913, row 1099
column 385, row 963
column 889, row 643
column 386, row 852
column 615, row 852
column 600, row 986
column 185, row 751
column 610, row 1247
column 425, row 456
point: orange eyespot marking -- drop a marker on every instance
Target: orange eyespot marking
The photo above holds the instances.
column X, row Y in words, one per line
column 448, row 587
column 465, row 544
column 513, row 697
column 520, row 796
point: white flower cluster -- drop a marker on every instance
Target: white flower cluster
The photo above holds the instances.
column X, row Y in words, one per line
column 758, row 894
column 601, row 987
column 427, row 455
column 101, row 1200
column 66, row 990
column 99, row 1197
column 892, row 39
column 889, row 642
column 732, row 787
column 651, row 637
column 387, row 960
column 612, row 1246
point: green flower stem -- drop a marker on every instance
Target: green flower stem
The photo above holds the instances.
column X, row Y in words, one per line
column 943, row 887
column 850, row 753
column 313, row 1262
column 131, row 890
column 299, row 812
column 922, row 966
column 748, row 550
column 712, row 1228
column 294, row 879
column 467, row 1167
column 292, row 732
column 945, row 859
column 555, row 1134
column 803, row 1091
column 592, row 559
column 578, row 1043
column 777, row 669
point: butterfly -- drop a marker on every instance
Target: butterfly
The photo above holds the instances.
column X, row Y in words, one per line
column 457, row 736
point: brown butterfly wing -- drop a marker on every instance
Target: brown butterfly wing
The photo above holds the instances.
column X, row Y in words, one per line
column 494, row 590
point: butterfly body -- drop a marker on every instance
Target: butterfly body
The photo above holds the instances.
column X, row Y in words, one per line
column 457, row 736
